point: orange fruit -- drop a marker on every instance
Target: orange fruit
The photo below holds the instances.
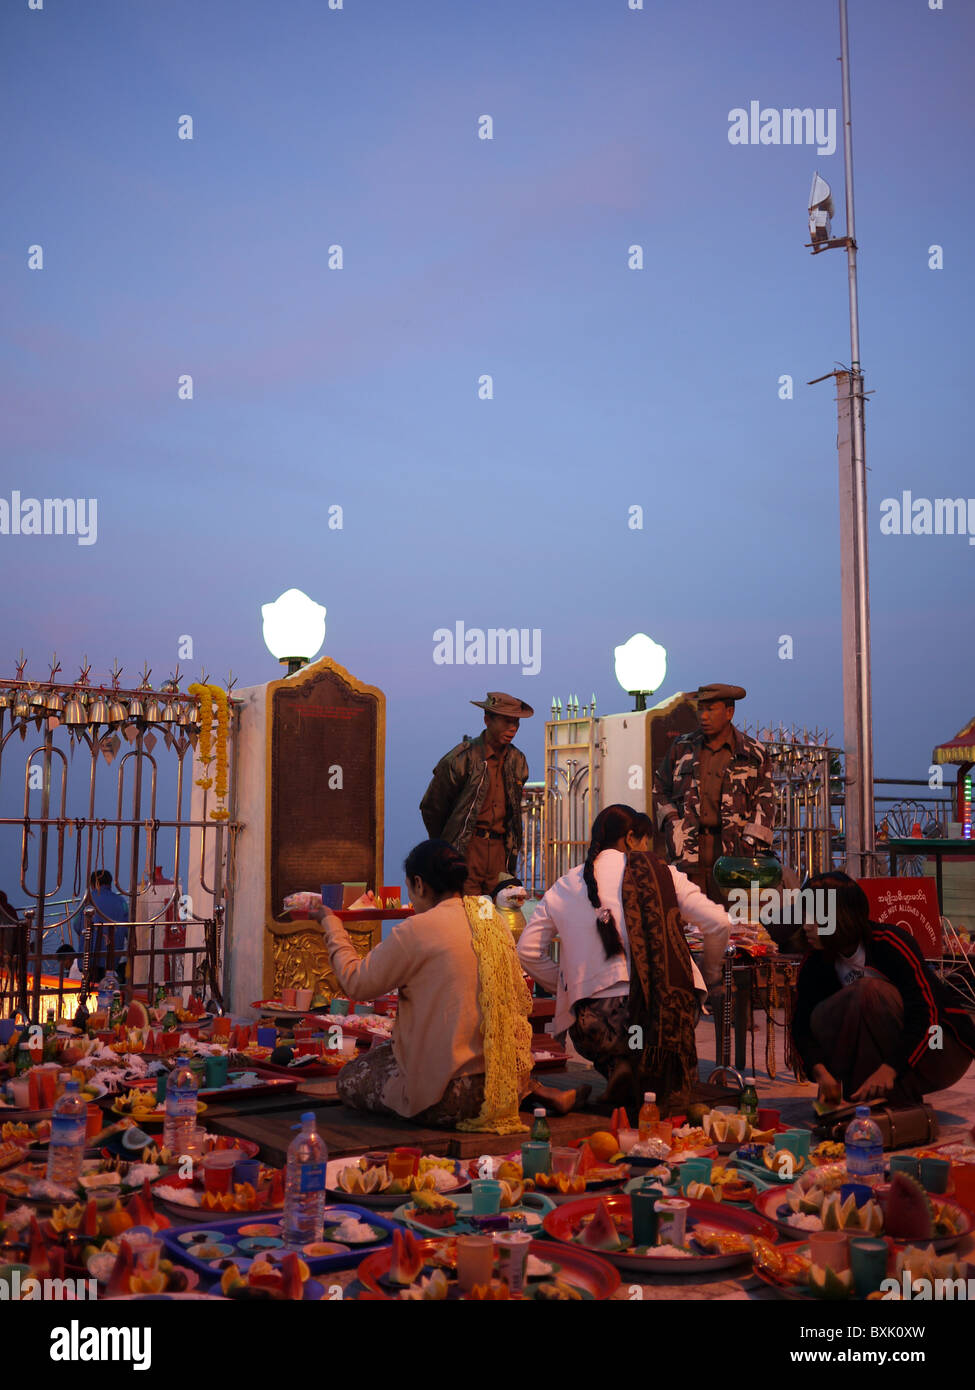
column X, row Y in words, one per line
column 603, row 1145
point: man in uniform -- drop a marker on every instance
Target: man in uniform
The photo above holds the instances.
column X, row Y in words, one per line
column 713, row 791
column 474, row 798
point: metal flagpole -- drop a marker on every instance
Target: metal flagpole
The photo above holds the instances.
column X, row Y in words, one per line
column 854, row 574
column 856, row 677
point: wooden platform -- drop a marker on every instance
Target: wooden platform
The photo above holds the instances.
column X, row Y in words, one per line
column 348, row 1131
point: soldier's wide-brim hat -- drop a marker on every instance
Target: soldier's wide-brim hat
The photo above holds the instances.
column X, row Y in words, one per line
column 510, row 706
column 729, row 693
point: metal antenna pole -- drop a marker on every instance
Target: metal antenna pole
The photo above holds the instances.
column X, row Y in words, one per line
column 857, row 700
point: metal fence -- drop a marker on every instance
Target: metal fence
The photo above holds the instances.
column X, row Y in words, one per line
column 134, row 822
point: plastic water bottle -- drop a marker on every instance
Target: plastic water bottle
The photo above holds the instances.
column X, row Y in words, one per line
column 67, row 1144
column 304, row 1185
column 864, row 1148
column 105, row 993
column 180, row 1121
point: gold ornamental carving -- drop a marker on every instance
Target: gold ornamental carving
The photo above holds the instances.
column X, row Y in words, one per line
column 299, row 952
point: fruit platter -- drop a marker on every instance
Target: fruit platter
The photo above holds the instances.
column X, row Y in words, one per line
column 791, row 1272
column 727, row 1130
column 827, row 1199
column 431, row 1211
column 414, row 1270
column 592, row 1174
column 369, row 1181
column 717, row 1236
column 190, row 1194
column 142, row 1107
column 297, row 1066
column 242, row 1241
column 102, row 1179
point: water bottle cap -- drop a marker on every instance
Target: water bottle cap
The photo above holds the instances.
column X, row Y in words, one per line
column 863, row 1112
column 540, row 1111
column 71, row 1085
column 649, row 1097
column 308, row 1117
column 749, row 1081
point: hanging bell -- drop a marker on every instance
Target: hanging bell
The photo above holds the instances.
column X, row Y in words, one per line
column 187, row 715
column 116, row 711
column 170, row 713
column 98, row 711
column 75, row 713
column 54, row 704
column 136, row 708
column 37, row 701
column 21, row 706
column 153, row 712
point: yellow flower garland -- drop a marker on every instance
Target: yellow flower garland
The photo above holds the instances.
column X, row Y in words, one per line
column 208, row 696
column 505, row 1006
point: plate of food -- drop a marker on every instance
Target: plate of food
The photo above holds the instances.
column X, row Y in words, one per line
column 520, row 1211
column 790, row 1271
column 822, row 1201
column 422, row 1270
column 368, row 1180
column 143, row 1107
column 184, row 1195
column 716, row 1236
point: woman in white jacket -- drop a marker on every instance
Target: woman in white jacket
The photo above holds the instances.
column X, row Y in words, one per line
column 621, row 896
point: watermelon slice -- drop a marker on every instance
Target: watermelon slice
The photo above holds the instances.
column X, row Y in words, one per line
column 291, row 1274
column 407, row 1258
column 89, row 1222
column 601, row 1233
column 909, row 1215
column 588, row 1161
column 620, row 1120
column 137, row 1016
column 119, row 1279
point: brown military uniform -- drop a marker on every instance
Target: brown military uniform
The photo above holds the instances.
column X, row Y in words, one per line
column 486, row 852
column 713, row 763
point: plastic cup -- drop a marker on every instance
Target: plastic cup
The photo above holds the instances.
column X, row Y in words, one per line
column 486, row 1197
column 218, row 1170
column 868, row 1261
column 363, row 1010
column 332, row 895
column 34, row 1089
column 161, row 1082
column 20, row 1092
column 288, row 997
column 475, row 1261
column 49, row 1089
column 535, row 1158
column 400, row 1165
column 348, row 1046
column 797, row 1141
column 695, row 1170
column 963, row 1177
column 247, row 1170
column 646, row 1219
column 860, row 1191
column 565, row 1160
column 626, row 1138
column 934, row 1174
column 94, row 1124
column 303, row 998
column 904, row 1163
column 216, row 1070
column 767, row 1119
column 512, row 1258
column 340, row 1006
column 830, row 1250
column 267, row 1037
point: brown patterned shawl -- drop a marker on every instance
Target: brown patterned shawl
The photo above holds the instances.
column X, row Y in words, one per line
column 662, row 999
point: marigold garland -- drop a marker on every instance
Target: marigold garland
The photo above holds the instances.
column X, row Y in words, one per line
column 208, row 696
column 505, row 1006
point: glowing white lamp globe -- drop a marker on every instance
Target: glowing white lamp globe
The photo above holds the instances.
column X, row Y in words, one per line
column 294, row 628
column 641, row 665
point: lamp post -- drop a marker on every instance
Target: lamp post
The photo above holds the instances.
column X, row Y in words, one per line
column 294, row 628
column 641, row 665
column 855, row 586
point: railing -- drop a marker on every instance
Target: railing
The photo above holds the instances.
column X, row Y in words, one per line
column 32, row 979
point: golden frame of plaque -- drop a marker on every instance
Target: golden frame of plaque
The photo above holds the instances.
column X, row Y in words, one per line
column 317, row 828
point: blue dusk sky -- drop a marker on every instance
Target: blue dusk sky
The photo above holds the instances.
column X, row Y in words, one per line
column 464, row 257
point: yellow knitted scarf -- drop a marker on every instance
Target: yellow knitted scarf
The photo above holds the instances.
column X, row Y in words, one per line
column 505, row 1005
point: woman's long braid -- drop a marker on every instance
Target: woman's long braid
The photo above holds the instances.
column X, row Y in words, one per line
column 605, row 923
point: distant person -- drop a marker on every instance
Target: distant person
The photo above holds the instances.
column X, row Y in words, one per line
column 713, row 792
column 110, row 907
column 474, row 798
column 871, row 1018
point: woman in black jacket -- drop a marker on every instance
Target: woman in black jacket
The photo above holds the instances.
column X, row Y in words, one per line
column 871, row 1018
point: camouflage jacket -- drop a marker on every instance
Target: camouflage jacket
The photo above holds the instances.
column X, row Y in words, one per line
column 457, row 792
column 747, row 797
